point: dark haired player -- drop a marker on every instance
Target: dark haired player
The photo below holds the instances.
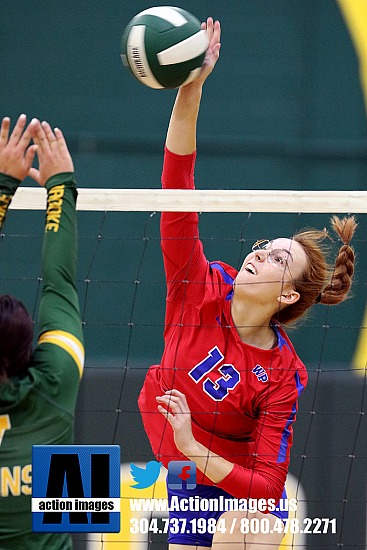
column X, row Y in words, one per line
column 38, row 389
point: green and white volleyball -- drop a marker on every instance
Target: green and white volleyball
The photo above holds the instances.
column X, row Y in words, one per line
column 164, row 47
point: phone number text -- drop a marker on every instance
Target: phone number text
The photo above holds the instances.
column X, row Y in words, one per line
column 244, row 525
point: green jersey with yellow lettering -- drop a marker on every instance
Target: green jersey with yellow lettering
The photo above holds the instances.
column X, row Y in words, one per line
column 38, row 408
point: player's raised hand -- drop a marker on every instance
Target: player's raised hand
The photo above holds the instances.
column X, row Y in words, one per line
column 16, row 155
column 212, row 53
column 53, row 153
column 178, row 415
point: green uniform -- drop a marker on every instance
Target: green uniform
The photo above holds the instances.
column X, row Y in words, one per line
column 38, row 409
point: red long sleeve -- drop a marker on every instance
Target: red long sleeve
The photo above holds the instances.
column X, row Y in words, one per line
column 178, row 170
column 243, row 399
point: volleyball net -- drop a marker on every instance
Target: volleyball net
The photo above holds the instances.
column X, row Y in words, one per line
column 122, row 290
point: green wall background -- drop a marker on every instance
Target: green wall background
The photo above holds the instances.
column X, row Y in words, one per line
column 283, row 110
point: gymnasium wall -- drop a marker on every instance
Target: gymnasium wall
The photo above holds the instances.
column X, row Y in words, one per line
column 284, row 109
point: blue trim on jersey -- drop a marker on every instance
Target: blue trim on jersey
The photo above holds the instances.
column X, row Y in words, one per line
column 281, row 340
column 282, row 455
column 226, row 278
column 300, row 386
column 286, row 432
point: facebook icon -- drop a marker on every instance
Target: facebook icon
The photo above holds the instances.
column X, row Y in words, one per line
column 181, row 474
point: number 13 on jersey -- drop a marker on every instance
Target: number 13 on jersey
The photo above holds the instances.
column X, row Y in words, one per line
column 219, row 389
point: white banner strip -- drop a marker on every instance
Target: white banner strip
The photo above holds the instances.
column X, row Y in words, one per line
column 178, row 200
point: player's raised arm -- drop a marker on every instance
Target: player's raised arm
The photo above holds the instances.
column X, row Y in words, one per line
column 38, row 388
column 15, row 160
column 59, row 318
column 182, row 251
column 181, row 135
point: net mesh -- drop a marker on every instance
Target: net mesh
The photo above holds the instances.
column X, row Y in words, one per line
column 122, row 295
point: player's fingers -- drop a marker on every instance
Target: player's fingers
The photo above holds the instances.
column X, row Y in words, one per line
column 209, row 26
column 165, row 399
column 174, row 392
column 172, row 403
column 29, row 156
column 33, row 126
column 214, row 41
column 184, row 404
column 216, row 32
column 35, row 174
column 26, row 137
column 171, row 399
column 4, row 131
column 36, row 132
column 61, row 142
column 40, row 139
column 165, row 413
column 18, row 129
column 49, row 133
column 179, row 396
column 211, row 33
column 175, row 397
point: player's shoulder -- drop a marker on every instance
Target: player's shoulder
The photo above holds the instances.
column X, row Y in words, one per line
column 222, row 277
column 286, row 347
column 284, row 342
column 225, row 271
column 292, row 362
column 58, row 359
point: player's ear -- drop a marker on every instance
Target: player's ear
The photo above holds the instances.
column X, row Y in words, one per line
column 289, row 297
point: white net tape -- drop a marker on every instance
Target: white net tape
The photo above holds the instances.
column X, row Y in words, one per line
column 177, row 200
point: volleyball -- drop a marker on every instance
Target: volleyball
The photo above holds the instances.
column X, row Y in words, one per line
column 164, row 47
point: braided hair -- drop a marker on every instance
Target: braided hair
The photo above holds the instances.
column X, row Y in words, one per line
column 322, row 282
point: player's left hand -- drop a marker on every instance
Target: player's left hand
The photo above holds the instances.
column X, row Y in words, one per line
column 212, row 53
column 15, row 156
column 178, row 415
column 213, row 31
column 53, row 153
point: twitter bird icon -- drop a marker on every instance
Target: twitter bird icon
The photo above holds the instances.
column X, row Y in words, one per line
column 145, row 477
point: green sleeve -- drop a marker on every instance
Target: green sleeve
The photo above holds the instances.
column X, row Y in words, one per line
column 8, row 186
column 59, row 316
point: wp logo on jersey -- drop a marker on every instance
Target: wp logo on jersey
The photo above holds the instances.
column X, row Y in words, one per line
column 260, row 373
column 76, row 488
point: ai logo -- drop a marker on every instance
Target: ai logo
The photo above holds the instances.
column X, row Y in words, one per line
column 76, row 488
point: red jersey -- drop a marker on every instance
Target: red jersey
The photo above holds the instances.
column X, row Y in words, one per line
column 243, row 399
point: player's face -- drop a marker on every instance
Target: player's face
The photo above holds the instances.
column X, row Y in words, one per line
column 271, row 268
